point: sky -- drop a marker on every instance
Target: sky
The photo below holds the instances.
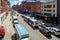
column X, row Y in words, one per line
column 14, row 2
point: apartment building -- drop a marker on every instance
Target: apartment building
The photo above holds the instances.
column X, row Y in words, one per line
column 51, row 8
column 4, row 7
column 15, row 7
column 50, row 11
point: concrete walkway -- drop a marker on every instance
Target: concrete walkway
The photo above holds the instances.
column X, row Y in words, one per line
column 8, row 28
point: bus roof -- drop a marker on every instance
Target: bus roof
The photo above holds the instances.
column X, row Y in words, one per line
column 33, row 19
column 20, row 29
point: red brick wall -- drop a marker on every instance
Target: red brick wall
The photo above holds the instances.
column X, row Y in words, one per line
column 16, row 7
column 24, row 6
column 3, row 6
column 32, row 7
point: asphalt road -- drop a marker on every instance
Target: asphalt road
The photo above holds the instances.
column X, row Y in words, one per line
column 35, row 34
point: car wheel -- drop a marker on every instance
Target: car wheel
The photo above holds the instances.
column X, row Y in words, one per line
column 1, row 37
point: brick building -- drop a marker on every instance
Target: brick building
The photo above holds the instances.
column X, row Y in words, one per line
column 4, row 7
column 50, row 11
column 31, row 6
column 47, row 10
column 15, row 7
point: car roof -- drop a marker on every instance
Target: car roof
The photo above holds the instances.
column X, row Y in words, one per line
column 16, row 21
column 56, row 29
column 33, row 19
column 1, row 28
column 14, row 17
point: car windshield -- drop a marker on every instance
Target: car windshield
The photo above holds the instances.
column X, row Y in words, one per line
column 58, row 31
column 16, row 23
column 15, row 19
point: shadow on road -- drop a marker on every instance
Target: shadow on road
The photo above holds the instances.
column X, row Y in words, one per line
column 47, row 36
column 58, row 36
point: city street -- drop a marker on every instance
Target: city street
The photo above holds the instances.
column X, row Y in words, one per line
column 35, row 34
column 30, row 20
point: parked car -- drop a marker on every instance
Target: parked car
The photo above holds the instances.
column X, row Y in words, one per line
column 22, row 15
column 15, row 17
column 55, row 31
column 2, row 32
column 15, row 21
column 44, row 31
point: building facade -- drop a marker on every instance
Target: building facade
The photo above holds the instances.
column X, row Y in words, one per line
column 4, row 7
column 50, row 11
column 15, row 7
column 31, row 6
column 49, row 8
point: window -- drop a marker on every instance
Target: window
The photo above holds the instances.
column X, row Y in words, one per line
column 1, row 18
column 53, row 14
column 48, row 10
column 54, row 6
column 53, row 10
column 47, row 14
column 47, row 6
column 1, row 2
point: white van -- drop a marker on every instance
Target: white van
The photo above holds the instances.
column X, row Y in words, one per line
column 15, row 21
column 14, row 17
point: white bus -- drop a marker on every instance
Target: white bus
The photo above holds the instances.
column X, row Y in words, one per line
column 33, row 22
column 26, row 18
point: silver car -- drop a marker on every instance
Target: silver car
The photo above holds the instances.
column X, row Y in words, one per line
column 55, row 31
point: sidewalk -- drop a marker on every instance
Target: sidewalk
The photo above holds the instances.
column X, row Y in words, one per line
column 8, row 28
